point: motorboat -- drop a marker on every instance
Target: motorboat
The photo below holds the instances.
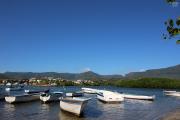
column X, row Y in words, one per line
column 139, row 97
column 74, row 105
column 109, row 96
column 50, row 97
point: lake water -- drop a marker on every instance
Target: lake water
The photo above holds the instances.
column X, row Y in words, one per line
column 95, row 110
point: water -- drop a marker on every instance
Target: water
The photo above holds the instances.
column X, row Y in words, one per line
column 95, row 110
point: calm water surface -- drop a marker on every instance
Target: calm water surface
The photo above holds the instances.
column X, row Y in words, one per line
column 95, row 110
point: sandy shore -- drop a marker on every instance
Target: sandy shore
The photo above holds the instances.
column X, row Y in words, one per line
column 175, row 115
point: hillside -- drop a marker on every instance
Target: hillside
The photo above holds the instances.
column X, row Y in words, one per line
column 170, row 72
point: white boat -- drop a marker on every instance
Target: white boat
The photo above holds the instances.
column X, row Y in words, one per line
column 73, row 105
column 49, row 97
column 89, row 90
column 109, row 96
column 74, row 94
column 22, row 98
column 169, row 91
column 139, row 97
column 176, row 94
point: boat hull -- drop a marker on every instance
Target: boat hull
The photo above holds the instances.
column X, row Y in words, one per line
column 73, row 106
column 102, row 99
column 21, row 98
column 175, row 94
column 139, row 97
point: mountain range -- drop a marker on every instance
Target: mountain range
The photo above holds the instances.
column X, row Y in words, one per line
column 170, row 72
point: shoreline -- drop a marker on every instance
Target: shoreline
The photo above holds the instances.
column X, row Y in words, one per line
column 173, row 115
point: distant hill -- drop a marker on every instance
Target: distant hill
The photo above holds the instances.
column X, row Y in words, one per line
column 69, row 76
column 170, row 72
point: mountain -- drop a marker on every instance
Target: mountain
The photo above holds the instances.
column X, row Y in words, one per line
column 89, row 75
column 69, row 76
column 170, row 72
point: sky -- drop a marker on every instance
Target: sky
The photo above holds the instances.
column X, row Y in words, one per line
column 105, row 36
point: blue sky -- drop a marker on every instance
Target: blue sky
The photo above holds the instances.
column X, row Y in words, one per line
column 106, row 36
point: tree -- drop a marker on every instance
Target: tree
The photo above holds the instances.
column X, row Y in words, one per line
column 173, row 25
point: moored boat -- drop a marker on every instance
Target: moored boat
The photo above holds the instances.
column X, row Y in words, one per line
column 169, row 91
column 109, row 96
column 89, row 90
column 21, row 98
column 139, row 97
column 52, row 96
column 175, row 94
column 73, row 105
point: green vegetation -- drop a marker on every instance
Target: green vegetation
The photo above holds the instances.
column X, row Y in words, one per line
column 148, row 83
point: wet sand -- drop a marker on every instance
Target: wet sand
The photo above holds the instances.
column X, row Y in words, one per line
column 175, row 115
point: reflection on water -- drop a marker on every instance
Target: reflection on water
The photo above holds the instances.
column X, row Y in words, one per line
column 95, row 110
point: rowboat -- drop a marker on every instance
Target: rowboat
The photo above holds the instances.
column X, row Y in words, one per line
column 22, row 98
column 74, row 94
column 89, row 90
column 109, row 96
column 139, row 97
column 49, row 97
column 74, row 105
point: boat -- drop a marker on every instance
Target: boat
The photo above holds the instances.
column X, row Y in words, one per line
column 49, row 97
column 22, row 98
column 139, row 97
column 175, row 94
column 169, row 91
column 74, row 94
column 109, row 96
column 36, row 91
column 74, row 105
column 89, row 90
